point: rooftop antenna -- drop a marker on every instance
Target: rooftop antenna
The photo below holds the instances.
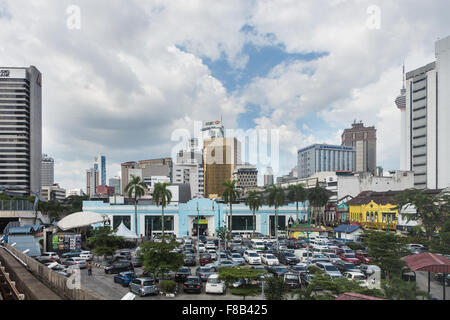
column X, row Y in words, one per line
column 404, row 76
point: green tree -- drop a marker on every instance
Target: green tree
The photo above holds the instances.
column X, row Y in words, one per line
column 275, row 289
column 53, row 209
column 159, row 256
column 74, row 204
column 297, row 193
column 387, row 249
column 397, row 289
column 276, row 198
column 254, row 202
column 318, row 198
column 231, row 275
column 230, row 195
column 104, row 242
column 162, row 197
column 135, row 188
column 442, row 245
column 431, row 210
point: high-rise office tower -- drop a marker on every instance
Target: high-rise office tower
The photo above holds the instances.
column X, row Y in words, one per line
column 125, row 168
column 92, row 178
column 268, row 177
column 188, row 169
column 364, row 140
column 20, row 129
column 100, row 164
column 47, row 171
column 427, row 115
column 221, row 155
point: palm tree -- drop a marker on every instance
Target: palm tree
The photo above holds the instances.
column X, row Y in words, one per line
column 318, row 198
column 162, row 196
column 298, row 194
column 136, row 188
column 230, row 195
column 254, row 201
column 276, row 198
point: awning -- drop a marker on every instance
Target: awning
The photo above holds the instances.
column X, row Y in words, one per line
column 81, row 219
column 428, row 262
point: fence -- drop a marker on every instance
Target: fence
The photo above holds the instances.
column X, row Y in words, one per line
column 55, row 281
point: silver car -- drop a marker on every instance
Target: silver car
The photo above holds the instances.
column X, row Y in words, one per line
column 237, row 258
column 75, row 262
column 143, row 287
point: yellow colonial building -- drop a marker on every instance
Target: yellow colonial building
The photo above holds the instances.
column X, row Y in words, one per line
column 374, row 210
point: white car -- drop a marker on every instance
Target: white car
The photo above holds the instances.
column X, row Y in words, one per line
column 87, row 255
column 75, row 262
column 210, row 245
column 215, row 285
column 252, row 257
column 357, row 276
column 213, row 254
column 269, row 259
column 201, row 248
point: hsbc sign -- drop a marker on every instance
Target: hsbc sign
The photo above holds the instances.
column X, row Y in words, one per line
column 4, row 73
column 212, row 123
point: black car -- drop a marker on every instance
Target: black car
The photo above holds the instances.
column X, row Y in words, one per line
column 292, row 280
column 118, row 267
column 192, row 284
column 189, row 260
column 298, row 269
column 182, row 274
column 286, row 258
column 277, row 271
column 202, row 238
column 344, row 266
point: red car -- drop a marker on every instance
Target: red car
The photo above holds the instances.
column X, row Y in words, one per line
column 205, row 259
column 363, row 257
column 349, row 257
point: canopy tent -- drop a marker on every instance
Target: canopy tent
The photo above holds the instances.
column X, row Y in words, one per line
column 80, row 220
column 123, row 231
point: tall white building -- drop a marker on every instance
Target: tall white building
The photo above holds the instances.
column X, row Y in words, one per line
column 20, row 129
column 426, row 133
column 188, row 169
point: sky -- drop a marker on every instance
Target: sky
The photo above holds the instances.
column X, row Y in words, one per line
column 121, row 77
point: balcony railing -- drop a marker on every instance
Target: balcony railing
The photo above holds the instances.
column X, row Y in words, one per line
column 16, row 205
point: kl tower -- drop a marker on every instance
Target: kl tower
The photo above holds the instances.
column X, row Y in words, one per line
column 401, row 104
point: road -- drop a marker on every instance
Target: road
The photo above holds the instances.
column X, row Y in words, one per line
column 436, row 288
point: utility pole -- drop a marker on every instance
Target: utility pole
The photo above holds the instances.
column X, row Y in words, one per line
column 198, row 231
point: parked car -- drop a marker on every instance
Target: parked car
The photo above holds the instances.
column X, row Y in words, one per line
column 292, row 280
column 306, row 278
column 299, row 268
column 190, row 260
column 439, row 277
column 48, row 257
column 363, row 257
column 277, row 271
column 215, row 285
column 117, row 267
column 237, row 258
column 357, row 276
column 203, row 273
column 87, row 255
column 221, row 264
column 71, row 254
column 144, row 286
column 349, row 257
column 205, row 259
column 202, row 238
column 124, row 278
column 78, row 262
column 332, row 257
column 286, row 257
column 189, row 247
column 252, row 257
column 192, row 284
column 182, row 274
column 136, row 262
column 210, row 245
column 124, row 254
column 269, row 259
column 213, row 253
column 408, row 275
column 344, row 266
column 329, row 269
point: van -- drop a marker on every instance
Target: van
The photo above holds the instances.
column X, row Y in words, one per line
column 302, row 254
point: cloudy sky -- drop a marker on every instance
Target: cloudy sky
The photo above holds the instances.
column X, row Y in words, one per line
column 127, row 74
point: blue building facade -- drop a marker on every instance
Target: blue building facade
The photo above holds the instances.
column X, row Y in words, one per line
column 198, row 215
